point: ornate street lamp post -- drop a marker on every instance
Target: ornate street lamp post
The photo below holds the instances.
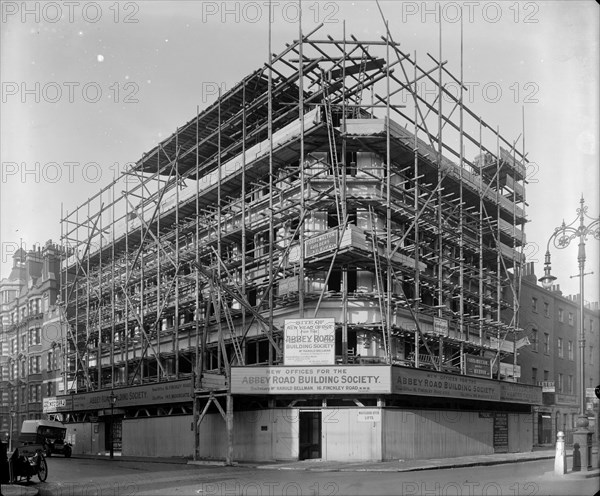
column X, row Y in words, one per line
column 112, row 399
column 561, row 238
column 10, row 437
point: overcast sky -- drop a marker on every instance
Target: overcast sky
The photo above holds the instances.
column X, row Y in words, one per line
column 103, row 82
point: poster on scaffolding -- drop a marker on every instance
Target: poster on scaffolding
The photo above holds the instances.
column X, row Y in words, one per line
column 309, row 342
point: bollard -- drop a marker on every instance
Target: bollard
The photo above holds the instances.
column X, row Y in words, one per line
column 582, row 446
column 560, row 459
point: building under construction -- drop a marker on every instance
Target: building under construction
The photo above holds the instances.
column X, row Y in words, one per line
column 326, row 196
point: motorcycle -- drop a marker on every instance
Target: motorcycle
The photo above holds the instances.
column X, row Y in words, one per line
column 24, row 464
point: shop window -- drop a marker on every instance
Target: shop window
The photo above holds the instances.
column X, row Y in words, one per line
column 545, row 428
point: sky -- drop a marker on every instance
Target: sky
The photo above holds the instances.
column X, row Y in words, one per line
column 88, row 87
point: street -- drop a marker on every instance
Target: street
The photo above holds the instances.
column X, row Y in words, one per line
column 84, row 476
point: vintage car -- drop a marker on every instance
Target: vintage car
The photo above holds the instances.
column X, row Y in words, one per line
column 47, row 435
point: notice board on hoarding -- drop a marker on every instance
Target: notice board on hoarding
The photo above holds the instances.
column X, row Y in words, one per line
column 309, row 342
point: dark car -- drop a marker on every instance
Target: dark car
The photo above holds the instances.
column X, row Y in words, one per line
column 47, row 435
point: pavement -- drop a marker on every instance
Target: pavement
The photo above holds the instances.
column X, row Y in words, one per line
column 429, row 464
column 333, row 466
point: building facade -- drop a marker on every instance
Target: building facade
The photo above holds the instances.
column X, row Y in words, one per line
column 308, row 267
column 30, row 358
column 552, row 359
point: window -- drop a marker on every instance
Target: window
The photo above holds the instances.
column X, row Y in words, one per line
column 591, row 361
column 35, row 393
column 561, row 316
column 546, row 375
column 23, row 394
column 570, row 384
column 570, row 350
column 546, row 309
column 14, row 346
column 35, row 336
column 49, row 362
column 534, row 304
column 34, row 365
column 49, row 389
column 534, row 340
column 571, row 319
column 23, row 339
column 559, row 386
column 559, row 346
column 546, row 343
column 534, row 377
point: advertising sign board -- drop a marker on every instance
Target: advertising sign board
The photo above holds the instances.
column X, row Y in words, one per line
column 477, row 365
column 309, row 342
column 356, row 379
column 146, row 394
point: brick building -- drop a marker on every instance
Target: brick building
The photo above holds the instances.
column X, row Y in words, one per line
column 30, row 356
column 551, row 360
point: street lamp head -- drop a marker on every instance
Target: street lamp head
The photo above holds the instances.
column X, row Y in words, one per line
column 112, row 398
column 548, row 278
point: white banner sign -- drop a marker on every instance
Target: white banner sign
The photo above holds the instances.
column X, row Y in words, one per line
column 369, row 415
column 309, row 342
column 339, row 379
column 53, row 404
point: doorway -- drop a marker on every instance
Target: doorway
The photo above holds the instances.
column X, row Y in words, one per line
column 117, row 433
column 310, row 435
